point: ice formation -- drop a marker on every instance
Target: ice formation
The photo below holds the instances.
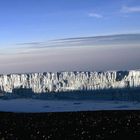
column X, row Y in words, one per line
column 67, row 81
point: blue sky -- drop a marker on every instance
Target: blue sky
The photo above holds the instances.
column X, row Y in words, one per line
column 42, row 20
column 29, row 30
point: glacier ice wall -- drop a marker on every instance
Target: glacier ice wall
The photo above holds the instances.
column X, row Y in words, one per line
column 67, row 81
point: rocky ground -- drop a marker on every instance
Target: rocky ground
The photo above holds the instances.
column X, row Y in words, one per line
column 70, row 125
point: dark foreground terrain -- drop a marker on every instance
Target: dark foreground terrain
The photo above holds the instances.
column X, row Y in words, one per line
column 70, row 125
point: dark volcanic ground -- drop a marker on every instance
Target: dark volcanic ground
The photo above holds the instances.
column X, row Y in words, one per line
column 70, row 125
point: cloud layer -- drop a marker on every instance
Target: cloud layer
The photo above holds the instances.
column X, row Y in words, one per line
column 114, row 52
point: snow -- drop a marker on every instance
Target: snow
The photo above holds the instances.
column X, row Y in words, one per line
column 34, row 105
column 66, row 81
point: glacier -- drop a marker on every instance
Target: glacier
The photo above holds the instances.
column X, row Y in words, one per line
column 69, row 81
column 113, row 90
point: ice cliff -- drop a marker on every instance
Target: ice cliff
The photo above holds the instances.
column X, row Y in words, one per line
column 66, row 81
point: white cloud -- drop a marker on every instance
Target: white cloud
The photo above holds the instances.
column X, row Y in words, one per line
column 130, row 9
column 95, row 15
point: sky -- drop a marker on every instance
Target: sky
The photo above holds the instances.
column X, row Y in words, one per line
column 32, row 33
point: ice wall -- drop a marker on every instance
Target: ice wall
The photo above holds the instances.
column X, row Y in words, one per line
column 65, row 81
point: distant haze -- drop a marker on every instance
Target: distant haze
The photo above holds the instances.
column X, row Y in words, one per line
column 101, row 53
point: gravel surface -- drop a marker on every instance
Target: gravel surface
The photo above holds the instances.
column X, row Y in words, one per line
column 70, row 125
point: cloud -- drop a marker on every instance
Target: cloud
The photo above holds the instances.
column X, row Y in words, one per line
column 95, row 15
column 86, row 53
column 130, row 9
column 79, row 41
column 30, row 43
